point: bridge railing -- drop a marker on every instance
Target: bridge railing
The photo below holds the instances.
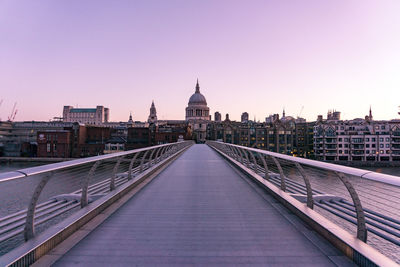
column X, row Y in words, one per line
column 347, row 196
column 32, row 199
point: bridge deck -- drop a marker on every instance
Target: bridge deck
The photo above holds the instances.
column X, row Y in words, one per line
column 201, row 211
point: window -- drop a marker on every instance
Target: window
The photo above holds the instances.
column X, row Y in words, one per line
column 373, row 145
column 340, row 145
column 373, row 139
column 381, row 139
column 367, row 145
column 381, row 145
column 387, row 145
column 367, row 139
column 48, row 147
column 387, row 139
column 367, row 151
column 54, row 147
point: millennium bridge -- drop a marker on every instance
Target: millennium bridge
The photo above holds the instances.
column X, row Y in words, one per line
column 198, row 204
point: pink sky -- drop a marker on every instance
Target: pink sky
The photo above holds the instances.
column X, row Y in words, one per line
column 254, row 56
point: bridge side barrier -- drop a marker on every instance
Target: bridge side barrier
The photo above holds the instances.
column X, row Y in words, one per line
column 58, row 190
column 326, row 188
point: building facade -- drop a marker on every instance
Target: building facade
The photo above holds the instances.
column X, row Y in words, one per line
column 76, row 141
column 198, row 115
column 96, row 116
column 357, row 140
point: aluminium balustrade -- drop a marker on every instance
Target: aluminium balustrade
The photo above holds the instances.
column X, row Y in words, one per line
column 347, row 196
column 94, row 176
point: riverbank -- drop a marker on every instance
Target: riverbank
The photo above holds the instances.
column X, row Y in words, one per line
column 370, row 164
column 23, row 159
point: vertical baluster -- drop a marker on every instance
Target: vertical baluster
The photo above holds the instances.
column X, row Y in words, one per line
column 247, row 158
column 310, row 200
column 361, row 226
column 29, row 230
column 281, row 174
column 85, row 184
column 143, row 159
column 266, row 172
column 163, row 151
column 254, row 161
column 131, row 165
column 151, row 157
column 114, row 174
column 158, row 155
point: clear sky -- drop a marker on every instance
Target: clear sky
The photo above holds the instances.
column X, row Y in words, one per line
column 254, row 56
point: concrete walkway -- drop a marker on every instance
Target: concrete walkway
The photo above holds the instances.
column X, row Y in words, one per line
column 201, row 211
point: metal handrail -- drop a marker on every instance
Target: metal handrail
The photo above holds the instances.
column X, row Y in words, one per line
column 48, row 171
column 371, row 175
column 342, row 172
column 22, row 173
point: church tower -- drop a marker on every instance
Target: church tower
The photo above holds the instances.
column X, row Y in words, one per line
column 198, row 115
column 153, row 114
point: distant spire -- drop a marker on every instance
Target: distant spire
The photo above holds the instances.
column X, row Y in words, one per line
column 153, row 113
column 283, row 113
column 370, row 112
column 197, row 86
column 130, row 117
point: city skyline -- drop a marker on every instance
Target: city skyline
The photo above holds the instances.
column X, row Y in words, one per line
column 257, row 58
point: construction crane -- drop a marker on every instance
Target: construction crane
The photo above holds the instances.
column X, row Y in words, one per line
column 301, row 110
column 13, row 112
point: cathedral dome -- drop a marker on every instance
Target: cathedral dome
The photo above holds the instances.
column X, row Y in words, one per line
column 197, row 98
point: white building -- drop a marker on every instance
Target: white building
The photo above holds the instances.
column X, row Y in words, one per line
column 198, row 114
column 97, row 115
column 357, row 140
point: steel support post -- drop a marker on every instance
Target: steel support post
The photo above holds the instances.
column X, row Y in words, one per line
column 29, row 230
column 85, row 184
column 151, row 157
column 310, row 200
column 163, row 151
column 143, row 159
column 158, row 154
column 362, row 230
column 254, row 161
column 281, row 174
column 266, row 172
column 247, row 157
column 232, row 152
column 131, row 165
column 240, row 153
column 114, row 174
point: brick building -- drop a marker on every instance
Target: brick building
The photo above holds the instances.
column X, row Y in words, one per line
column 54, row 143
column 73, row 142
